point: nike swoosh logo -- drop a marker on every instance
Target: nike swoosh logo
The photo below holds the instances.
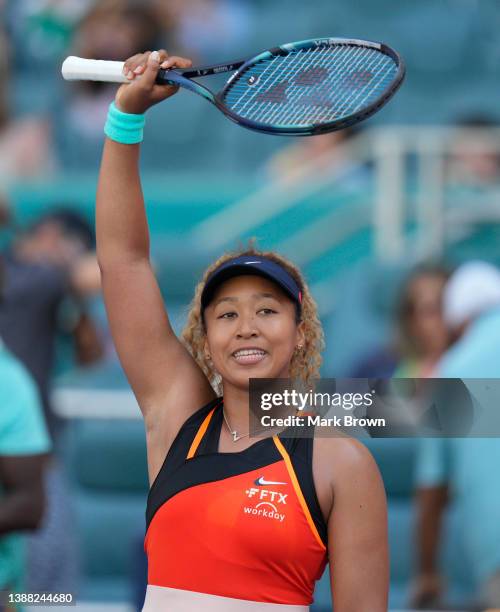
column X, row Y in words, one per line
column 262, row 482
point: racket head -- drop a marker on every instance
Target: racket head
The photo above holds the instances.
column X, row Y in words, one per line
column 312, row 86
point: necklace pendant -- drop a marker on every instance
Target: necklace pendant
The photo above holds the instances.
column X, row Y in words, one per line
column 235, row 435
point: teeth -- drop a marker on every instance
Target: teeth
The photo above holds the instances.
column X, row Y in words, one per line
column 245, row 352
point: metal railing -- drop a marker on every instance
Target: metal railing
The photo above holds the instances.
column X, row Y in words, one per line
column 401, row 192
column 387, row 149
column 438, row 219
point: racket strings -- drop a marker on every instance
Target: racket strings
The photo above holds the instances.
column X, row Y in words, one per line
column 321, row 114
column 310, row 86
column 341, row 96
column 382, row 76
column 272, row 112
column 303, row 109
column 344, row 98
column 366, row 79
column 265, row 73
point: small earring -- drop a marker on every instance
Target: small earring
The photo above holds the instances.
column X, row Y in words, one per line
column 207, row 357
column 298, row 347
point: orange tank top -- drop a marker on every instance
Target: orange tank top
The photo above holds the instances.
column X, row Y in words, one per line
column 244, row 525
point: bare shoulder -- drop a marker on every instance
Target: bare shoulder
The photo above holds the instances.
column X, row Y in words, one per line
column 357, row 525
column 345, row 450
column 345, row 459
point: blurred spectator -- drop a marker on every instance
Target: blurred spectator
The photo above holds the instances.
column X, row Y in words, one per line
column 464, row 469
column 41, row 30
column 423, row 335
column 24, row 444
column 112, row 30
column 25, row 142
column 117, row 29
column 52, row 260
column 474, row 162
column 471, row 308
column 319, row 156
column 4, row 212
column 207, row 30
column 380, row 363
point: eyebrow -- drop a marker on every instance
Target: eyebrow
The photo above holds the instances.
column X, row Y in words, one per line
column 254, row 295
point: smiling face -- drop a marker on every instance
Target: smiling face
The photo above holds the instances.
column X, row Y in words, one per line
column 251, row 330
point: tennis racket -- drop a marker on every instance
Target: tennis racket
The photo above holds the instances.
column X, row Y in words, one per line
column 302, row 88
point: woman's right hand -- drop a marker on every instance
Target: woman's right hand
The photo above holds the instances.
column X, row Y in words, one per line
column 142, row 91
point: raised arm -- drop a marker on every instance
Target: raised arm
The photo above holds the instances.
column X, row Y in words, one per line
column 167, row 382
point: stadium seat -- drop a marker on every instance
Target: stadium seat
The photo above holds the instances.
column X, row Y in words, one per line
column 106, row 461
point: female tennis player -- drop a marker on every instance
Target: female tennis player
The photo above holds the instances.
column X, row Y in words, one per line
column 233, row 524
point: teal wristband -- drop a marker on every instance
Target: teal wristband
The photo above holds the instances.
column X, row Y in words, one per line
column 126, row 128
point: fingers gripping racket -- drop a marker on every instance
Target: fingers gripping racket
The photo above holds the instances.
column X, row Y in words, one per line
column 303, row 88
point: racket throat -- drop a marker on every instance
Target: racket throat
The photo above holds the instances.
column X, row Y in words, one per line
column 172, row 77
column 201, row 71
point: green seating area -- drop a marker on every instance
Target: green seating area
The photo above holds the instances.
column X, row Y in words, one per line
column 362, row 291
column 178, row 203
column 106, row 464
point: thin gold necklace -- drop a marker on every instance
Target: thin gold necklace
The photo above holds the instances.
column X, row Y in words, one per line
column 233, row 432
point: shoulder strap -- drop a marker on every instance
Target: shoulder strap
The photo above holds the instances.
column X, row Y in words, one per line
column 184, row 440
column 200, row 433
column 300, row 452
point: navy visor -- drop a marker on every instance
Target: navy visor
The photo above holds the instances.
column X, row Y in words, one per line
column 251, row 265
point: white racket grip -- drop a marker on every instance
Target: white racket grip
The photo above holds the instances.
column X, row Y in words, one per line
column 80, row 69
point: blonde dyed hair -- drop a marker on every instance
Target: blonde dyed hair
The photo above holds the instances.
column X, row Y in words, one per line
column 305, row 363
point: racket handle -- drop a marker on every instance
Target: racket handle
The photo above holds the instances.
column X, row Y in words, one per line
column 79, row 69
